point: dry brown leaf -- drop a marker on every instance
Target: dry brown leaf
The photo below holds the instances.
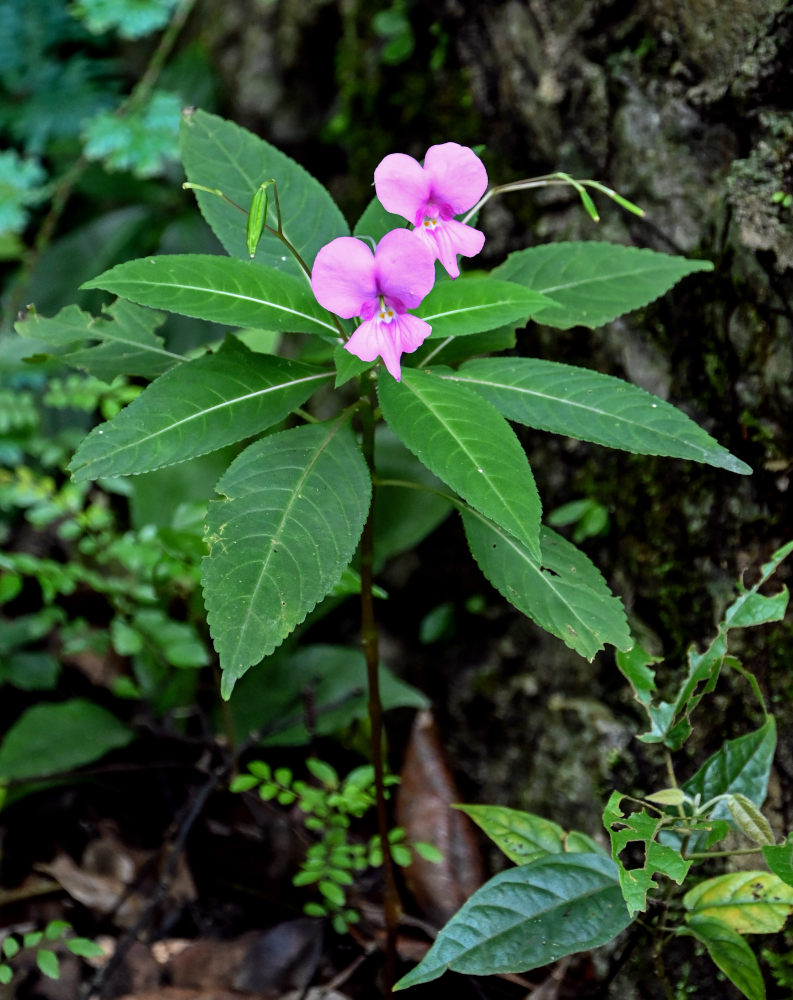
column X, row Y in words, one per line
column 116, row 881
column 102, row 893
column 424, row 799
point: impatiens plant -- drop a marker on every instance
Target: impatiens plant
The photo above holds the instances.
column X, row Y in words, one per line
column 317, row 496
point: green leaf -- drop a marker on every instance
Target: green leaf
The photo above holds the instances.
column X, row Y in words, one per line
column 347, row 365
column 670, row 720
column 779, row 859
column 32, row 670
column 56, row 929
column 375, row 222
column 21, row 183
column 667, row 797
column 564, row 593
column 749, row 902
column 6, row 974
column 527, row 917
column 428, row 852
column 730, row 952
column 476, row 305
column 751, row 608
column 243, row 783
column 196, row 408
column 84, row 947
column 403, row 516
column 10, row 947
column 469, row 445
column 335, row 676
column 294, row 508
column 127, row 343
column 739, row 767
column 177, row 642
column 323, row 772
column 661, row 859
column 143, row 139
column 589, row 406
column 524, row 837
column 332, row 892
column 454, row 350
column 47, row 961
column 757, row 609
column 220, row 154
column 130, row 18
column 593, row 283
column 220, row 289
column 703, row 672
column 51, row 738
column 635, row 666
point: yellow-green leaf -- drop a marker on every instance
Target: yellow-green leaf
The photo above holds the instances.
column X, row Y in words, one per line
column 749, row 902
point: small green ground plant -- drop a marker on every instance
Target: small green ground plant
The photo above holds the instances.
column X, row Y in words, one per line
column 329, row 804
column 58, row 934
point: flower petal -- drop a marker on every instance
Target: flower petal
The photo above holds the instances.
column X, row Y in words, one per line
column 343, row 277
column 402, row 185
column 390, row 351
column 388, row 340
column 405, row 268
column 364, row 343
column 447, row 239
column 374, row 338
column 457, row 175
column 411, row 332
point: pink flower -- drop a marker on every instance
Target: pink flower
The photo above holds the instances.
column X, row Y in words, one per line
column 452, row 180
column 350, row 280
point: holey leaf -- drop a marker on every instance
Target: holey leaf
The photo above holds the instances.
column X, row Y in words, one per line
column 220, row 154
column 195, row 408
column 564, row 593
column 222, row 290
column 640, row 827
column 593, row 407
column 527, row 917
column 294, row 508
column 593, row 283
column 475, row 305
column 468, row 444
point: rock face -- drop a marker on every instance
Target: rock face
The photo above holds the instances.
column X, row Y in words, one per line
column 686, row 109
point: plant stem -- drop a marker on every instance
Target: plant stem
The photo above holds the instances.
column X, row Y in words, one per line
column 369, row 639
column 145, row 85
column 704, row 855
column 660, row 970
